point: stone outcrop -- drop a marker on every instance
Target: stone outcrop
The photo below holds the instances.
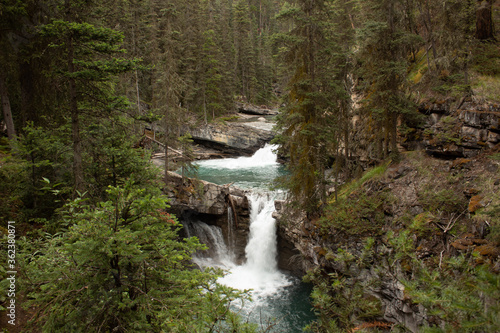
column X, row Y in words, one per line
column 316, row 253
column 290, row 248
column 210, row 201
column 232, row 137
column 453, row 132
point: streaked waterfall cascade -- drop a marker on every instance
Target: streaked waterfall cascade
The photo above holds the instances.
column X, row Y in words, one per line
column 275, row 295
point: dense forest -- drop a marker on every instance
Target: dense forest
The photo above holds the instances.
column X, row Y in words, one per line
column 82, row 80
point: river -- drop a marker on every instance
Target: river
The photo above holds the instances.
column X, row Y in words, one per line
column 279, row 300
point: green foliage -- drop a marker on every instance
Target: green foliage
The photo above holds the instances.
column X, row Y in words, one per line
column 421, row 224
column 215, row 101
column 442, row 200
column 356, row 184
column 120, row 267
column 338, row 298
column 486, row 59
column 187, row 167
column 461, row 295
column 358, row 214
column 318, row 103
column 91, row 46
column 493, row 214
column 39, row 155
column 385, row 43
column 11, row 176
column 110, row 158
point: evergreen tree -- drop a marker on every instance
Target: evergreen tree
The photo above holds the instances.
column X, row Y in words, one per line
column 121, row 267
column 317, row 106
column 213, row 98
column 245, row 52
column 384, row 48
column 87, row 54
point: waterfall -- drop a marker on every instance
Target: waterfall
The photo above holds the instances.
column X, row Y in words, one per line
column 252, row 172
column 276, row 296
column 260, row 272
column 217, row 253
column 262, row 157
column 231, row 226
column 261, row 250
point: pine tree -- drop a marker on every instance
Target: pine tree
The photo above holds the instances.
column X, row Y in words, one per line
column 384, row 48
column 317, row 108
column 87, row 54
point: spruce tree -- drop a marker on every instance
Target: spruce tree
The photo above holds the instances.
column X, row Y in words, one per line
column 87, row 65
column 384, row 46
column 245, row 52
column 119, row 267
column 317, row 107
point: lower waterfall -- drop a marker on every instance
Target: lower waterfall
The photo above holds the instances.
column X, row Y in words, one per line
column 278, row 299
column 260, row 272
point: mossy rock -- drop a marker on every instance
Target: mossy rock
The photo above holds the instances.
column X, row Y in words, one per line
column 475, row 203
column 488, row 250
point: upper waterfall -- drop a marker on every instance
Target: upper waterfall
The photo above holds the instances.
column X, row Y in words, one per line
column 262, row 157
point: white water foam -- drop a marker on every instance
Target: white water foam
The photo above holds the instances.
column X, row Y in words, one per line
column 217, row 254
column 262, row 157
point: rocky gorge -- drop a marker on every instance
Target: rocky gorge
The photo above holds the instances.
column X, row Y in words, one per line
column 404, row 220
column 388, row 228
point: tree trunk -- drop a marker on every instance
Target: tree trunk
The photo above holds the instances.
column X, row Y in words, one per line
column 166, row 159
column 75, row 122
column 26, row 79
column 394, row 134
column 484, row 22
column 7, row 112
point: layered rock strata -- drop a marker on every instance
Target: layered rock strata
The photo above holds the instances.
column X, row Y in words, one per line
column 210, row 203
column 452, row 132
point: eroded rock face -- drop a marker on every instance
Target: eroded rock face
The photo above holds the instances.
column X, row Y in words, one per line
column 457, row 132
column 291, row 247
column 232, row 138
column 210, row 203
column 315, row 251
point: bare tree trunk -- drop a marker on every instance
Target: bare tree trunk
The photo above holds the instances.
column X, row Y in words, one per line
column 166, row 133
column 134, row 43
column 166, row 162
column 394, row 134
column 7, row 112
column 484, row 22
column 75, row 122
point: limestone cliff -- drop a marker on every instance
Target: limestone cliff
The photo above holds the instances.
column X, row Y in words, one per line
column 233, row 138
column 456, row 131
